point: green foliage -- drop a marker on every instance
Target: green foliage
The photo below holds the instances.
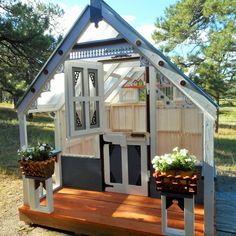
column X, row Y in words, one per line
column 228, row 117
column 40, row 152
column 225, row 148
column 41, row 127
column 26, row 41
column 199, row 36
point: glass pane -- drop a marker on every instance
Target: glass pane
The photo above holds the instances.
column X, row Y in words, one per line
column 94, row 114
column 134, row 164
column 78, row 82
column 93, row 82
column 79, row 118
column 115, row 163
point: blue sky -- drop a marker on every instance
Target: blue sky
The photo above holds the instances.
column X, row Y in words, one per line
column 141, row 14
column 145, row 11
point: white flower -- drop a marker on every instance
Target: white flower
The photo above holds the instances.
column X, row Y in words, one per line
column 30, row 157
column 24, row 148
column 169, row 161
column 155, row 159
column 183, row 152
column 44, row 145
column 188, row 159
column 41, row 148
column 166, row 156
column 175, row 149
column 155, row 167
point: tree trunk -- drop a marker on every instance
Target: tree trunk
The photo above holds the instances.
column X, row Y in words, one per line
column 217, row 115
column 15, row 100
column 1, row 95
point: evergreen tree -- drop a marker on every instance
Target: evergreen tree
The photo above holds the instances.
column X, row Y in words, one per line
column 200, row 37
column 26, row 41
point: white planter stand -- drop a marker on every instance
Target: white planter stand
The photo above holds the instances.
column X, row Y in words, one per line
column 188, row 202
column 35, row 195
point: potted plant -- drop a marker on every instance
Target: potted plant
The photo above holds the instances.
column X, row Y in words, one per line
column 177, row 162
column 175, row 172
column 37, row 161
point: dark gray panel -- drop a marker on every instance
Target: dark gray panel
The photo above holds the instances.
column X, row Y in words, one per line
column 115, row 163
column 134, row 164
column 81, row 172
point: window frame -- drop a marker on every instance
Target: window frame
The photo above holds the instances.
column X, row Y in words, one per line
column 71, row 98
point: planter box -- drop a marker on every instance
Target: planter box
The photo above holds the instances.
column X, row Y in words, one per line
column 176, row 183
column 43, row 169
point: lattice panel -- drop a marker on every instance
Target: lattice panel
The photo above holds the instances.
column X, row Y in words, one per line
column 115, row 51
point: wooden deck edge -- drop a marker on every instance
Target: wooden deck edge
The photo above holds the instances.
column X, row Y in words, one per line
column 75, row 225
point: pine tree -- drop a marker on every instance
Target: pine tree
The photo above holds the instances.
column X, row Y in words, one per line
column 26, row 41
column 199, row 36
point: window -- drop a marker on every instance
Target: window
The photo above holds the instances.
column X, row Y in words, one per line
column 84, row 97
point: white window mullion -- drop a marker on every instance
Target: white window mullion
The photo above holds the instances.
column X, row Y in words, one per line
column 86, row 98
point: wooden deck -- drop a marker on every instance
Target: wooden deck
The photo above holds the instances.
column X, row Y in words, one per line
column 105, row 213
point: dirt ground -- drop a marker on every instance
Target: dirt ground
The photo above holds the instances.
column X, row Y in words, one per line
column 11, row 198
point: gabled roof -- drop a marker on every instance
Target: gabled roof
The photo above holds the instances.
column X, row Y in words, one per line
column 97, row 11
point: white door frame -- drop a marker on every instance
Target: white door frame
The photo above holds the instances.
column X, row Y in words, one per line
column 125, row 187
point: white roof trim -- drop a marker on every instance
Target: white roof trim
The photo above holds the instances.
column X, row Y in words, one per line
column 132, row 36
column 56, row 59
column 193, row 92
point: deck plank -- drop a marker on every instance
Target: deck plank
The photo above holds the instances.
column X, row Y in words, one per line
column 104, row 213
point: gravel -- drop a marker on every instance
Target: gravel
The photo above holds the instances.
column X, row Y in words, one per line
column 11, row 195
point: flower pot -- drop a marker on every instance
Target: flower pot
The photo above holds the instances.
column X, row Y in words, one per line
column 180, row 184
column 185, row 173
column 168, row 172
column 44, row 169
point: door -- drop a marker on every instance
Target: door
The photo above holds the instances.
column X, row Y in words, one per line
column 125, row 165
column 84, row 98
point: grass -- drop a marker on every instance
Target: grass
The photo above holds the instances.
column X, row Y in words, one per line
column 41, row 126
column 225, row 140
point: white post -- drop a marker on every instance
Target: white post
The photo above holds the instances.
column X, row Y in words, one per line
column 152, row 90
column 58, row 145
column 189, row 216
column 188, row 219
column 24, row 142
column 49, row 196
column 22, row 129
column 34, row 196
column 57, row 132
column 163, row 214
column 208, row 168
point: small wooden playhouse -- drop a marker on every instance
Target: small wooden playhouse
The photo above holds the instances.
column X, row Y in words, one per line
column 116, row 102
